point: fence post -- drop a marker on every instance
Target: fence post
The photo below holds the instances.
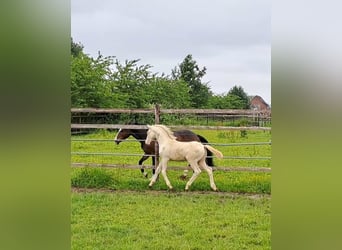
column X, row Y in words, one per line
column 156, row 114
column 156, row 146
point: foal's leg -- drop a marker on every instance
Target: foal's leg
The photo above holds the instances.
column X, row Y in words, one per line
column 156, row 174
column 195, row 174
column 153, row 164
column 164, row 167
column 161, row 168
column 168, row 183
column 144, row 158
column 209, row 170
column 154, row 167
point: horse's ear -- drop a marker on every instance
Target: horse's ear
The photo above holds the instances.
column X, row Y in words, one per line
column 148, row 126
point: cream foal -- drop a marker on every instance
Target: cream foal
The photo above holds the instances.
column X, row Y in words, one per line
column 170, row 149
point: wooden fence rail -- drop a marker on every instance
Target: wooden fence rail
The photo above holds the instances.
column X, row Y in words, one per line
column 173, row 111
column 118, row 126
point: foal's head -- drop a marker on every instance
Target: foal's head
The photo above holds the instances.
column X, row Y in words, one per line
column 151, row 135
column 155, row 131
column 122, row 135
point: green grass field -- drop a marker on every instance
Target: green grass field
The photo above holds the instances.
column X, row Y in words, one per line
column 117, row 210
column 162, row 220
column 128, row 179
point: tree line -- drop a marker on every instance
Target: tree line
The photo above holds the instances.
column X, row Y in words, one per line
column 105, row 82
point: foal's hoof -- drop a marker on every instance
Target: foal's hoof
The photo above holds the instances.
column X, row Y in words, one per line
column 145, row 175
column 183, row 177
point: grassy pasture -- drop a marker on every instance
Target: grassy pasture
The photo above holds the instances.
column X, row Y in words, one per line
column 164, row 220
column 126, row 179
column 130, row 216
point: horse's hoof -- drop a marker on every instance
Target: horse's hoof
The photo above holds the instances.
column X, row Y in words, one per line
column 183, row 177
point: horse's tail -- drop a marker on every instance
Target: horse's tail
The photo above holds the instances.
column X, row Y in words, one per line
column 202, row 139
column 215, row 151
column 209, row 159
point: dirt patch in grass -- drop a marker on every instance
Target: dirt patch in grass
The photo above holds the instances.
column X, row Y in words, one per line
column 158, row 192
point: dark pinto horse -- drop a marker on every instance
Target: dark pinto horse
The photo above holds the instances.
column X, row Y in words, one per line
column 149, row 149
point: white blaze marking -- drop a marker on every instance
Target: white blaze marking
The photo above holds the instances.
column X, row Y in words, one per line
column 116, row 137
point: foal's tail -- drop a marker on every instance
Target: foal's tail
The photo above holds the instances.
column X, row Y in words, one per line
column 215, row 151
column 209, row 159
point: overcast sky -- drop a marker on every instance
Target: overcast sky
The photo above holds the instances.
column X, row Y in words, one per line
column 231, row 38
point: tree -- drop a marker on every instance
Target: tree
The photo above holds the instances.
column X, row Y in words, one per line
column 103, row 82
column 76, row 48
column 239, row 92
column 169, row 93
column 189, row 72
column 92, row 84
column 236, row 98
column 133, row 82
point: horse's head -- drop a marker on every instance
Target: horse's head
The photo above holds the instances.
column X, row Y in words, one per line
column 151, row 135
column 122, row 135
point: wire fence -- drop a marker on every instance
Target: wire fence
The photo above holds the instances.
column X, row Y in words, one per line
column 129, row 166
column 81, row 117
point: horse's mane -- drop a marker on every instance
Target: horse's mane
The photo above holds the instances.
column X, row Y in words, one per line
column 166, row 130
